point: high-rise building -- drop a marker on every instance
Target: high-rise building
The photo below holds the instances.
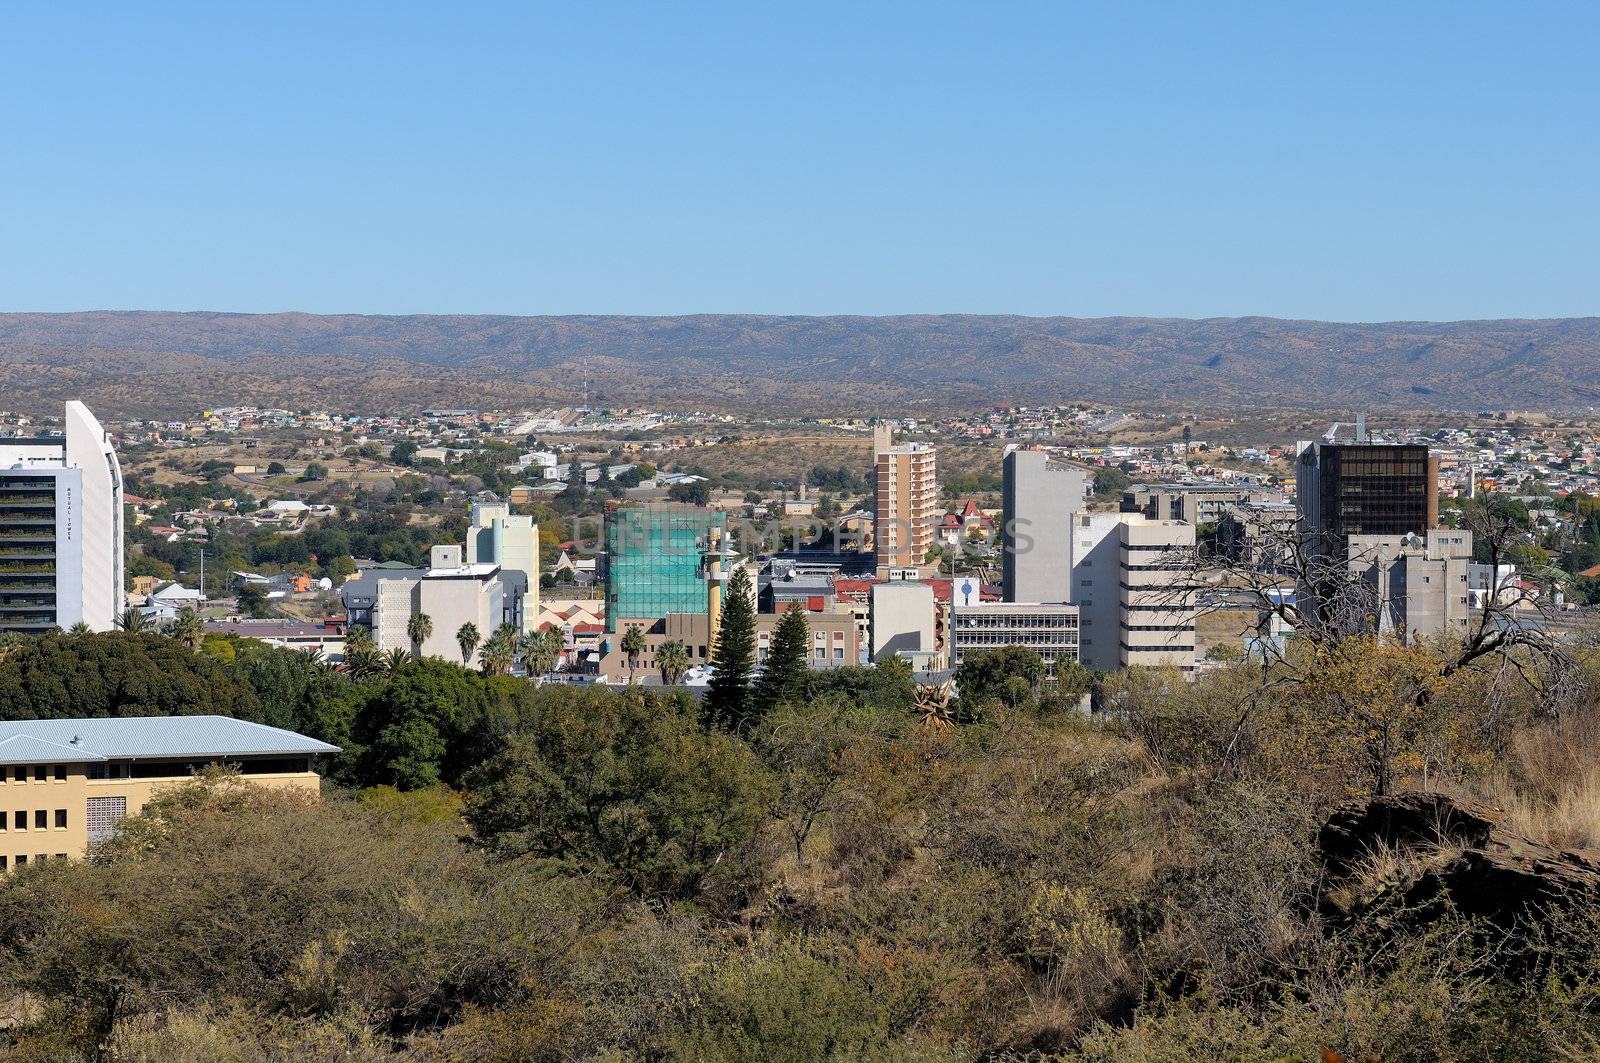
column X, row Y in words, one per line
column 1157, row 593
column 654, row 561
column 1041, row 496
column 1130, row 576
column 61, row 528
column 1094, row 553
column 1365, row 488
column 906, row 488
column 499, row 537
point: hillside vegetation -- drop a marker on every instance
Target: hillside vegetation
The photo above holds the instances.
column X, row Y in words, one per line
column 504, row 872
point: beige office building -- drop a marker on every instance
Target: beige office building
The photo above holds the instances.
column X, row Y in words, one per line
column 1157, row 597
column 450, row 593
column 906, row 488
column 67, row 784
column 1048, row 629
column 498, row 536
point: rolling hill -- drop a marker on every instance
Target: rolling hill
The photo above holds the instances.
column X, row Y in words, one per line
column 157, row 362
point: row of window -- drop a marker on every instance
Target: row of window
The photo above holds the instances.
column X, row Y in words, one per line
column 41, row 819
column 35, row 773
column 21, row 859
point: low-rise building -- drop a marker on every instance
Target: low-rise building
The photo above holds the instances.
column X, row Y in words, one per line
column 1050, row 630
column 1420, row 584
column 66, row 784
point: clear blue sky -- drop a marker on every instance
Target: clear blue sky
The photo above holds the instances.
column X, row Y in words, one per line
column 1342, row 160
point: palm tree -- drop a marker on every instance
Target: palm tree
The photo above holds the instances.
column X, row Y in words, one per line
column 632, row 646
column 80, row 628
column 673, row 657
column 467, row 638
column 132, row 620
column 536, row 655
column 556, row 643
column 363, row 662
column 499, row 651
column 419, row 629
column 358, row 638
column 188, row 629
column 395, row 660
column 315, row 661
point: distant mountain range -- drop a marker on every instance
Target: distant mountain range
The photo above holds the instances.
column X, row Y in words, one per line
column 155, row 363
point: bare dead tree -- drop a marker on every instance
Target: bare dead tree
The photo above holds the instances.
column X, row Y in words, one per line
column 1329, row 597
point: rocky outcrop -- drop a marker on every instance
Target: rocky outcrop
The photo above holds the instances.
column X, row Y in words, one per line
column 1464, row 853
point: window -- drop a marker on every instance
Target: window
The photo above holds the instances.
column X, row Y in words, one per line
column 20, row 821
column 61, row 819
column 2, row 863
column 40, row 772
column 61, row 773
column 61, row 856
column 21, row 859
column 41, row 819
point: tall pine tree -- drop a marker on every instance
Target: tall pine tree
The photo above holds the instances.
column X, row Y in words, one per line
column 734, row 656
column 783, row 675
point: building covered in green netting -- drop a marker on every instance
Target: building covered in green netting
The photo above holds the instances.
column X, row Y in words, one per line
column 653, row 561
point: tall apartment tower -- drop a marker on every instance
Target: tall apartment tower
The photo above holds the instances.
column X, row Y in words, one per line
column 907, row 494
column 61, row 528
column 500, row 537
column 1366, row 488
column 1040, row 498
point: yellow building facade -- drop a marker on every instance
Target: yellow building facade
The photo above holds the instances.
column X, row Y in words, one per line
column 67, row 784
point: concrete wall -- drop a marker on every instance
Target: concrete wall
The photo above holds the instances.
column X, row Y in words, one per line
column 902, row 618
column 1095, row 559
column 1040, row 498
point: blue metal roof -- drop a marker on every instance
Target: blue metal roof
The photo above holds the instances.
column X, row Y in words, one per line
column 71, row 741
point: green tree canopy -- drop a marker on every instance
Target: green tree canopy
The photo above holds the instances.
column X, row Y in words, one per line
column 783, row 673
column 733, row 656
column 116, row 673
column 628, row 782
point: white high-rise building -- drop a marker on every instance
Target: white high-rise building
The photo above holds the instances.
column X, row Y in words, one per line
column 61, row 520
column 1129, row 577
column 499, row 537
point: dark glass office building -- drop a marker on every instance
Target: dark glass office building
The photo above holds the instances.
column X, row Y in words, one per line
column 1348, row 489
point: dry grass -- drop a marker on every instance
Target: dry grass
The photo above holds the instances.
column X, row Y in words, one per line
column 1552, row 790
column 1568, row 819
